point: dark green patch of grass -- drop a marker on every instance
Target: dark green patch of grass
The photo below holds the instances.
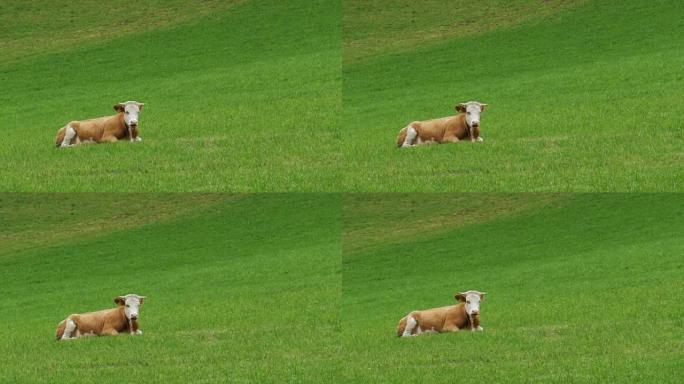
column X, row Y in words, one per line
column 34, row 28
column 381, row 27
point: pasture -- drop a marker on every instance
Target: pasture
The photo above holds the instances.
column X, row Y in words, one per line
column 583, row 95
column 240, row 96
column 581, row 288
column 239, row 288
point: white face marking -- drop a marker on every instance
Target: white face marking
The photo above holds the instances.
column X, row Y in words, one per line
column 473, row 110
column 132, row 306
column 472, row 303
column 131, row 112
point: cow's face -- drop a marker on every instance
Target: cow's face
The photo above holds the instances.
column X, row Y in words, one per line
column 131, row 305
column 472, row 301
column 131, row 111
column 472, row 110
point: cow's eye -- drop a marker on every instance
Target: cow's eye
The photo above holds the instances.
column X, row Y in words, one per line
column 468, row 301
column 469, row 113
column 127, row 112
column 128, row 306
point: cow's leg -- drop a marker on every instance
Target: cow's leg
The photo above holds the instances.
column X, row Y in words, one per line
column 411, row 324
column 475, row 134
column 450, row 327
column 69, row 329
column 69, row 135
column 134, row 134
column 411, row 134
column 109, row 331
column 108, row 139
column 133, row 328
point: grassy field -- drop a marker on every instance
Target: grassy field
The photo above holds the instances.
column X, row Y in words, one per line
column 240, row 95
column 239, row 288
column 279, row 234
column 583, row 95
column 581, row 288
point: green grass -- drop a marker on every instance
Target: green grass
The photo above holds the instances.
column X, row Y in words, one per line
column 583, row 96
column 309, row 287
column 240, row 96
column 259, row 96
column 240, row 288
column 581, row 288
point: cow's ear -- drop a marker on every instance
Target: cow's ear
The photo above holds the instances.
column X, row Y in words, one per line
column 119, row 107
column 482, row 295
column 142, row 298
column 460, row 107
column 460, row 297
column 140, row 105
column 482, row 107
column 120, row 300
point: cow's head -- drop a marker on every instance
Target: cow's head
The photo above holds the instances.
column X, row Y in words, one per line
column 472, row 301
column 132, row 305
column 131, row 111
column 472, row 110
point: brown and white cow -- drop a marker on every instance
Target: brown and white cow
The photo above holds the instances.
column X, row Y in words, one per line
column 464, row 125
column 465, row 315
column 123, row 318
column 123, row 125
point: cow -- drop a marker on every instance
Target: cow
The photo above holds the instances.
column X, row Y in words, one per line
column 464, row 125
column 123, row 125
column 451, row 318
column 123, row 318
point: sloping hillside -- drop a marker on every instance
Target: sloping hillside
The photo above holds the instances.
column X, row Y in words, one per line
column 240, row 95
column 582, row 95
column 581, row 288
column 239, row 289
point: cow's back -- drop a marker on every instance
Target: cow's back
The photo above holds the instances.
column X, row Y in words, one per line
column 91, row 129
column 431, row 130
column 432, row 319
column 95, row 322
column 442, row 129
column 95, row 129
